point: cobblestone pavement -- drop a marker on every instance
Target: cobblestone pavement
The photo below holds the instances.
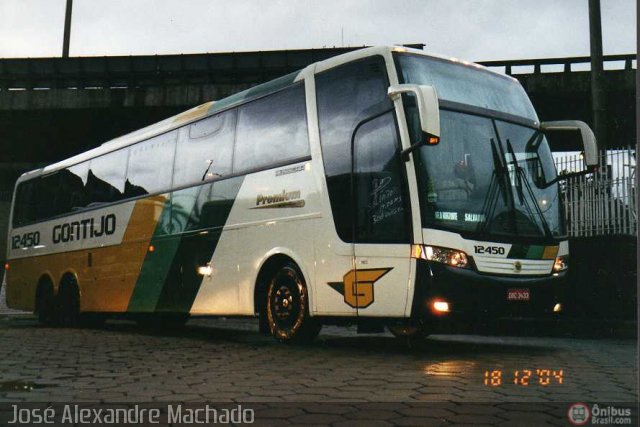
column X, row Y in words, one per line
column 226, row 360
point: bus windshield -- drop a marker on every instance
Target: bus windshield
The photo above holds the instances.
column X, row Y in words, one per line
column 487, row 175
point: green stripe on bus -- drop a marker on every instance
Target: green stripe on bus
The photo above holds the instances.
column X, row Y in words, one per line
column 254, row 92
column 207, row 209
column 535, row 252
column 168, row 281
column 155, row 266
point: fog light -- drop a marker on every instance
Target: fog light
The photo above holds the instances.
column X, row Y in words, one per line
column 441, row 306
column 557, row 308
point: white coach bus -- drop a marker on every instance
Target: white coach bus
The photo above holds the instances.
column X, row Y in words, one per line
column 381, row 187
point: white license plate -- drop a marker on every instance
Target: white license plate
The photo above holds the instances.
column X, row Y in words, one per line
column 518, row 294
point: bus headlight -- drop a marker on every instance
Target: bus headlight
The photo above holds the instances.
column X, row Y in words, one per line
column 561, row 263
column 447, row 256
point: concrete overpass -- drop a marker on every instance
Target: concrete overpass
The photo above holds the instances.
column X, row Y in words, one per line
column 51, row 108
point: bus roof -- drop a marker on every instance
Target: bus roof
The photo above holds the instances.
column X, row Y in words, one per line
column 213, row 107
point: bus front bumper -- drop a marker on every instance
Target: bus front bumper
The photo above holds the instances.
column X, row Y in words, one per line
column 447, row 292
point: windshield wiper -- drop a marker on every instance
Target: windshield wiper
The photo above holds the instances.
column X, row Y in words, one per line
column 499, row 181
column 543, row 220
column 520, row 177
column 516, row 168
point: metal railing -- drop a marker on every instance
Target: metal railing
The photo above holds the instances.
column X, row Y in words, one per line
column 566, row 63
column 604, row 202
column 119, row 72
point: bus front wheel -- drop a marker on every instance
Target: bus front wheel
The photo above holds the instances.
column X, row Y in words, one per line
column 408, row 330
column 288, row 307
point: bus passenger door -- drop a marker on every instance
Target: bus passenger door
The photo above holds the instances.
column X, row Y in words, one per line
column 381, row 220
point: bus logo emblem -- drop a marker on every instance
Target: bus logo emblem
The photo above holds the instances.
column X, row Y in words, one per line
column 286, row 199
column 357, row 286
column 517, row 266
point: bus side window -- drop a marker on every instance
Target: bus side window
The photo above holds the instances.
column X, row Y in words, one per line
column 272, row 130
column 151, row 165
column 25, row 209
column 105, row 180
column 343, row 94
column 46, row 194
column 50, row 195
column 381, row 209
column 21, row 204
column 205, row 150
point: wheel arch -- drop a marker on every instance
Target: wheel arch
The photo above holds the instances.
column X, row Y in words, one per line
column 268, row 266
column 70, row 278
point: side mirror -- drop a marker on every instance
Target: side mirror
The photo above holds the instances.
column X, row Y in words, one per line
column 428, row 110
column 588, row 138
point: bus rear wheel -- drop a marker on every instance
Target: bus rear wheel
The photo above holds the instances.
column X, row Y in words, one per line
column 288, row 308
column 69, row 304
column 46, row 304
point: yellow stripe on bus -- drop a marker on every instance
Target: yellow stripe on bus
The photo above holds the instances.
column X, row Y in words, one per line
column 192, row 114
column 107, row 285
column 550, row 252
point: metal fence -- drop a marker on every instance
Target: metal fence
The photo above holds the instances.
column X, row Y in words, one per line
column 603, row 202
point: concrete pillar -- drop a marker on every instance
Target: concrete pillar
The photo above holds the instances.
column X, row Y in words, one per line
column 597, row 89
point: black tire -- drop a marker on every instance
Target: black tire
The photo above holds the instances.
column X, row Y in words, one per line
column 263, row 322
column 69, row 304
column 288, row 308
column 46, row 304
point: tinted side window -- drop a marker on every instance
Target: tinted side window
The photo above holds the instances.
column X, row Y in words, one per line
column 47, row 190
column 22, row 208
column 381, row 209
column 150, row 165
column 35, row 200
column 25, row 206
column 105, row 180
column 51, row 195
column 205, row 149
column 345, row 95
column 72, row 195
column 272, row 129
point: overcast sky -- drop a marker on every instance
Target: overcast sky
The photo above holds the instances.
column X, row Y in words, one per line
column 468, row 29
